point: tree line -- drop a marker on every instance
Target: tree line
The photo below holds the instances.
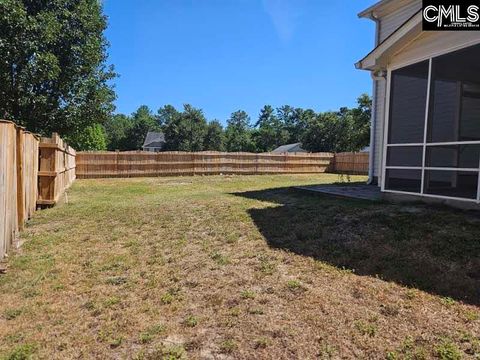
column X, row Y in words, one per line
column 347, row 129
column 54, row 77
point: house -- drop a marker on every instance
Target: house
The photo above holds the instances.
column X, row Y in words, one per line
column 425, row 139
column 290, row 148
column 154, row 142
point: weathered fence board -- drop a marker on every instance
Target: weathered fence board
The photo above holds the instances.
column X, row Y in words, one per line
column 8, row 187
column 351, row 163
column 138, row 164
column 18, row 181
column 27, row 175
column 57, row 169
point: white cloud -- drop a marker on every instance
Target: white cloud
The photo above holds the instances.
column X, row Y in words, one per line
column 284, row 16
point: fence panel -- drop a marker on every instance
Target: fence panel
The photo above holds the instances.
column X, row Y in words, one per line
column 351, row 163
column 27, row 176
column 18, row 181
column 32, row 172
column 8, row 186
column 175, row 163
column 57, row 169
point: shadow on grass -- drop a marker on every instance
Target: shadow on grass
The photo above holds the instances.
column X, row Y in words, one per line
column 434, row 249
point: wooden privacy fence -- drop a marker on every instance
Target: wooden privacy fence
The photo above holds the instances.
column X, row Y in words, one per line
column 18, row 181
column 137, row 164
column 22, row 185
column 57, row 169
column 351, row 163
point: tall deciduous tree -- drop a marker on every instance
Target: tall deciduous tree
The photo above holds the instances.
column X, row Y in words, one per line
column 143, row 121
column 292, row 122
column 362, row 115
column 117, row 128
column 238, row 133
column 53, row 73
column 166, row 115
column 186, row 131
column 214, row 139
column 271, row 132
column 322, row 133
column 345, row 130
column 91, row 138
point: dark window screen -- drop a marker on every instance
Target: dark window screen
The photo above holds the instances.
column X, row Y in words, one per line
column 403, row 180
column 451, row 183
column 454, row 113
column 405, row 156
column 455, row 156
column 407, row 104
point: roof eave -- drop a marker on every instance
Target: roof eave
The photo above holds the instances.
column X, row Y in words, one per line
column 368, row 12
column 377, row 58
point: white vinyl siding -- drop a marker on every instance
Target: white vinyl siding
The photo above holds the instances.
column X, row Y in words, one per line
column 391, row 22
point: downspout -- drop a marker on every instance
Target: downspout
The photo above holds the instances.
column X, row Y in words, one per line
column 373, row 125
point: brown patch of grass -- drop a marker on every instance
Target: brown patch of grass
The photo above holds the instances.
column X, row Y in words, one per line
column 169, row 268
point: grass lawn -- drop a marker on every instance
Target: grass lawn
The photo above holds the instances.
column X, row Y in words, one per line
column 240, row 268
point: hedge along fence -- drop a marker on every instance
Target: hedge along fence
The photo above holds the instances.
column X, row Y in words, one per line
column 138, row 163
column 21, row 157
column 351, row 163
column 57, row 169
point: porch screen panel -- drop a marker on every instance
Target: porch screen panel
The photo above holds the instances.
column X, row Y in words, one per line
column 459, row 184
column 408, row 96
column 404, row 180
column 405, row 156
column 453, row 156
column 454, row 113
column 435, row 151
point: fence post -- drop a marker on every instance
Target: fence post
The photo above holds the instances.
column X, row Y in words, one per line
column 117, row 152
column 193, row 163
column 20, row 179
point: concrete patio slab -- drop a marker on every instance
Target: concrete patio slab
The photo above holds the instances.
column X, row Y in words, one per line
column 356, row 191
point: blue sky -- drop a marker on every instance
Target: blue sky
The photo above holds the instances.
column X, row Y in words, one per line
column 226, row 55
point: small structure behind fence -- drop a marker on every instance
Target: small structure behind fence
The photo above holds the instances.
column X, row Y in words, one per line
column 137, row 163
column 350, row 163
column 20, row 161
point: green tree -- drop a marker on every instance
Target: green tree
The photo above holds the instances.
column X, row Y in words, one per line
column 186, row 131
column 90, row 138
column 344, row 130
column 143, row 121
column 215, row 138
column 271, row 132
column 53, row 73
column 361, row 115
column 117, row 128
column 292, row 121
column 322, row 133
column 166, row 115
column 238, row 135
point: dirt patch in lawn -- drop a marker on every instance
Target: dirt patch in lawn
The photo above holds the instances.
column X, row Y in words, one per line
column 246, row 268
